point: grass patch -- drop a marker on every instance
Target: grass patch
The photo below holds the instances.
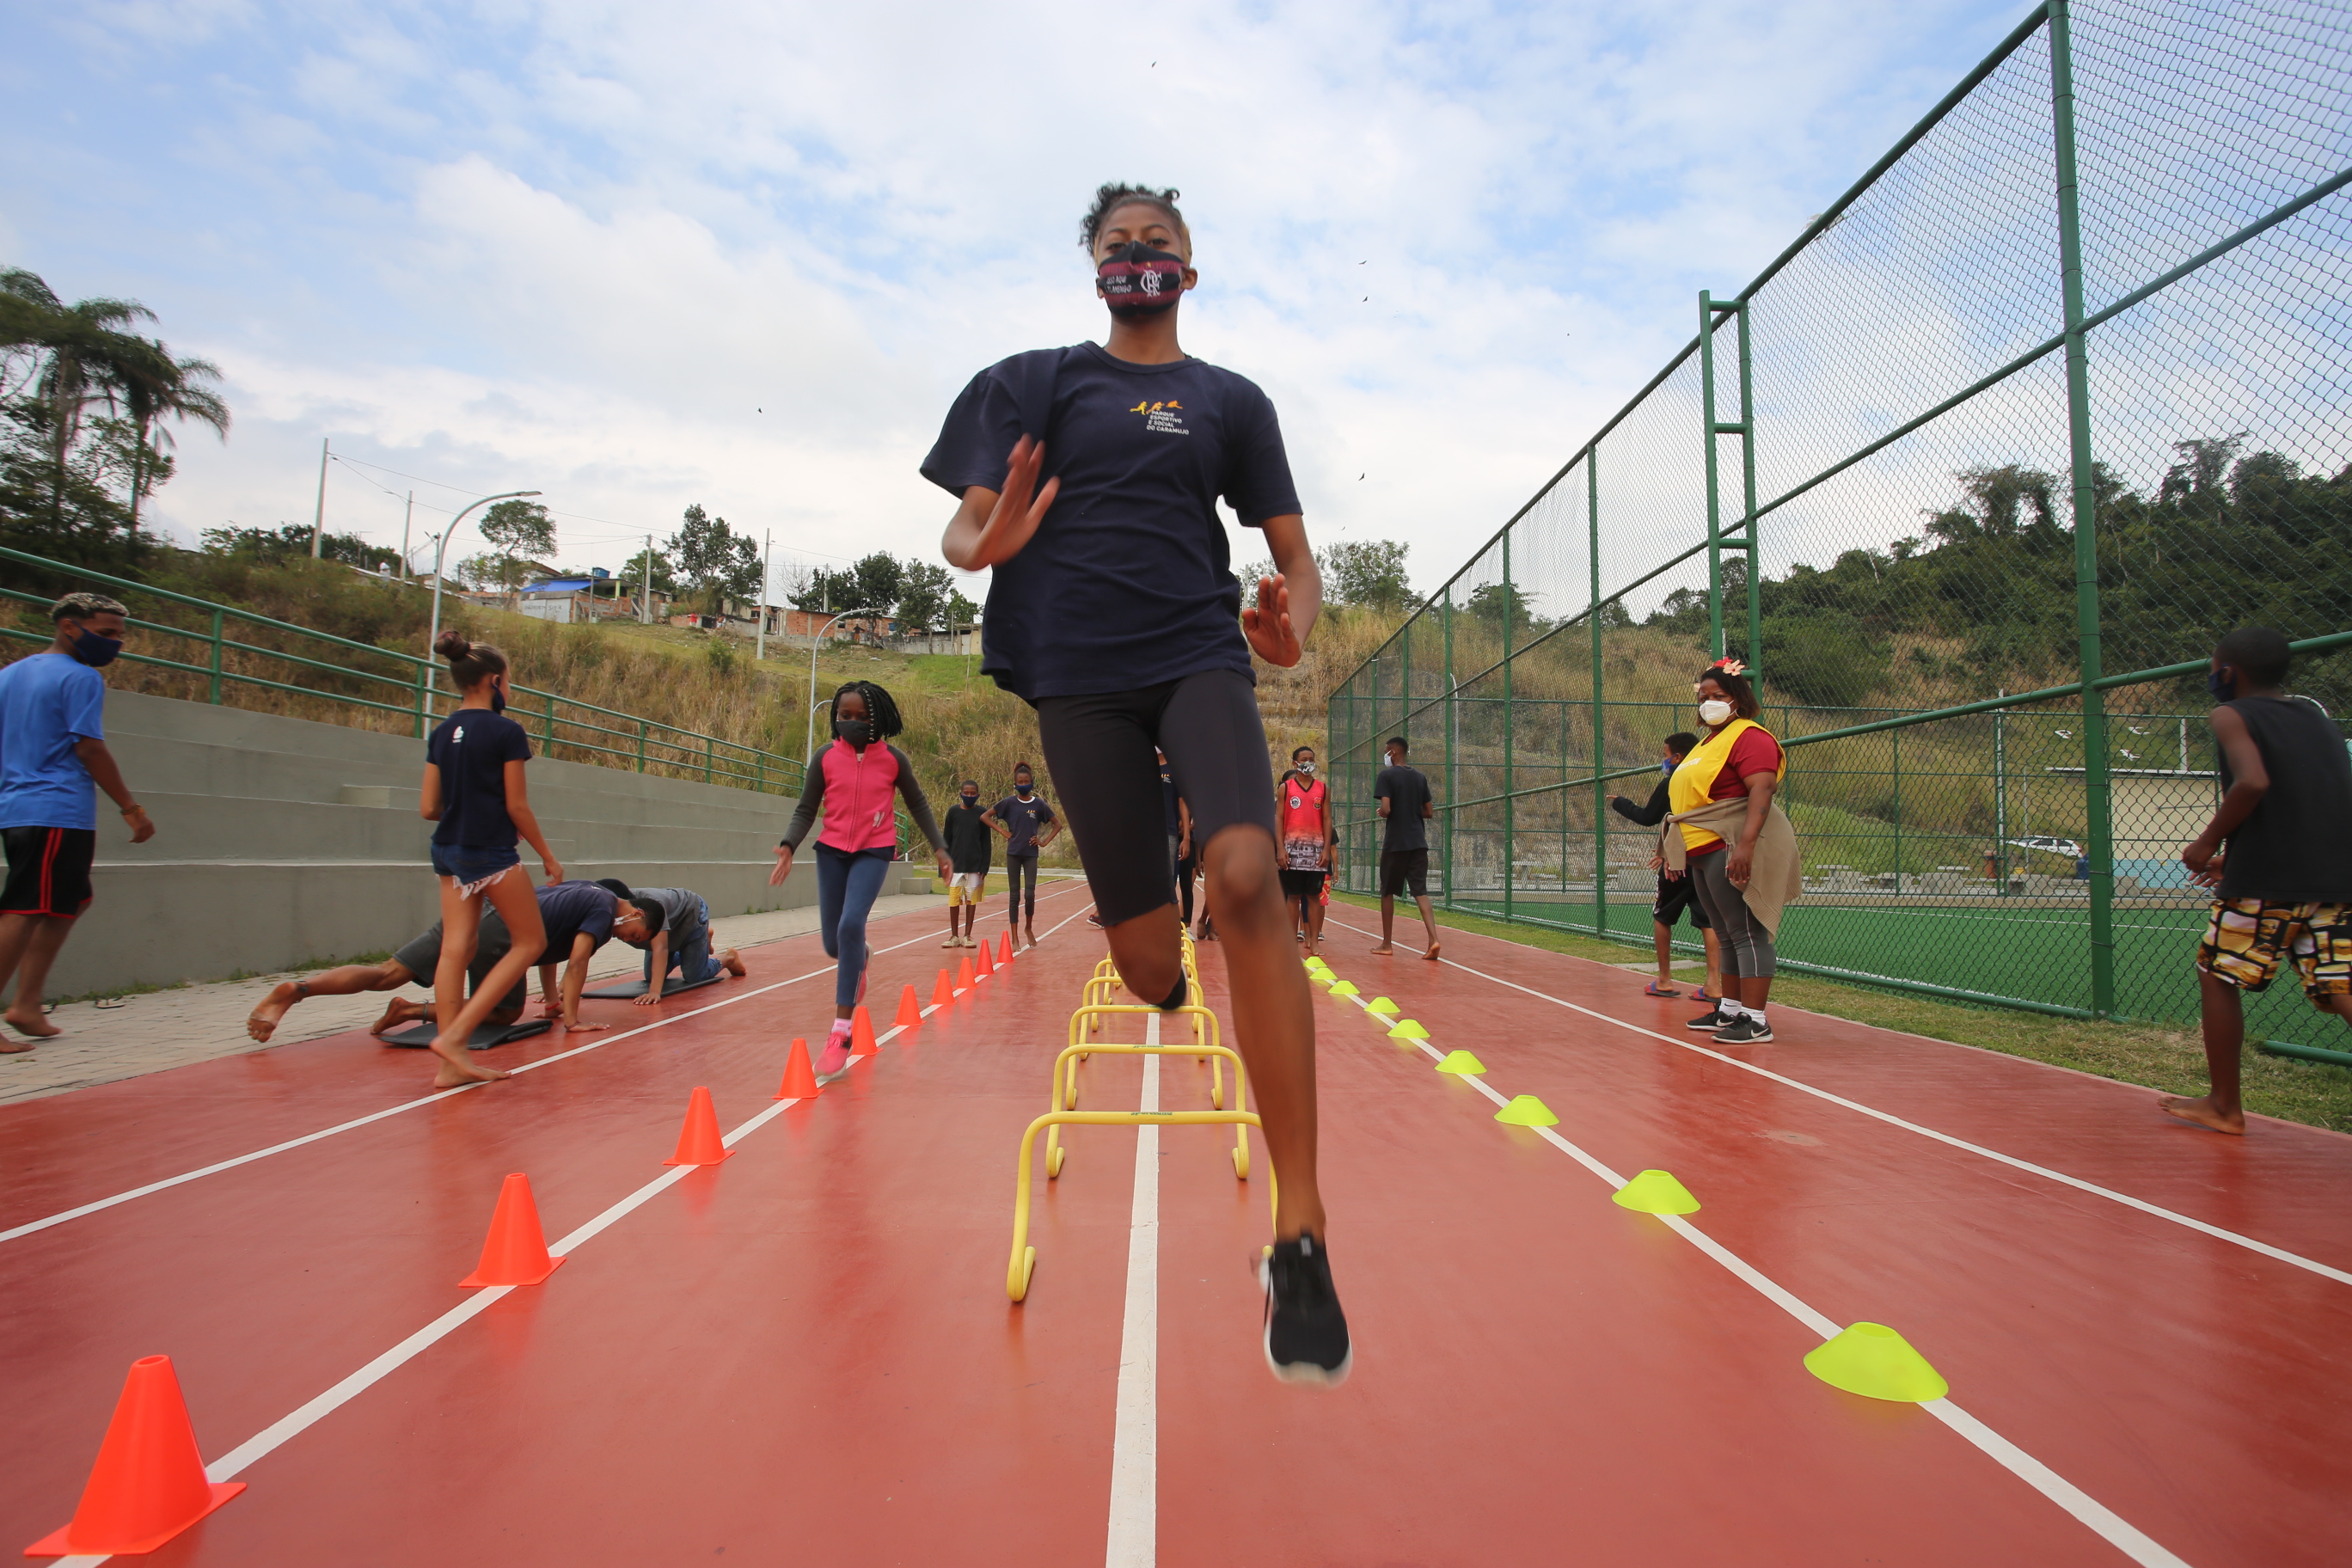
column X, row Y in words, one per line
column 2316, row 1094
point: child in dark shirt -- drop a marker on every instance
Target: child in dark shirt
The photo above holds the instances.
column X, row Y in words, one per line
column 1676, row 895
column 474, row 789
column 1113, row 612
column 2283, row 893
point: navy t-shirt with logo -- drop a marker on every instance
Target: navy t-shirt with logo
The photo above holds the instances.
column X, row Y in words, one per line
column 1127, row 582
column 472, row 748
column 1023, row 819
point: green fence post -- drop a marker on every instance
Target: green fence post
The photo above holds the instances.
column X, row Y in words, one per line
column 1714, row 508
column 1897, row 736
column 641, row 745
column 217, row 656
column 1453, row 735
column 421, row 713
column 547, row 742
column 1510, row 800
column 1600, row 750
column 1748, row 495
column 2097, row 805
column 706, row 759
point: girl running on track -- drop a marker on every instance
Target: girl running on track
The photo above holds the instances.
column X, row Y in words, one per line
column 1089, row 477
column 853, row 780
column 474, row 789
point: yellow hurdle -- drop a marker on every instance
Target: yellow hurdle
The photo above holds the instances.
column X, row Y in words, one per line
column 1205, row 1047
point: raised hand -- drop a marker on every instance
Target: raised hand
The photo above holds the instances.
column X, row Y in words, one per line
column 1267, row 624
column 1020, row 507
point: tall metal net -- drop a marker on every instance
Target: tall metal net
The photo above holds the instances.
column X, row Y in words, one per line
column 1966, row 486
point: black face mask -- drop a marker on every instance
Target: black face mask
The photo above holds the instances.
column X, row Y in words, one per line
column 1138, row 280
column 971, row 800
column 498, row 699
column 94, row 650
column 857, row 731
column 2223, row 687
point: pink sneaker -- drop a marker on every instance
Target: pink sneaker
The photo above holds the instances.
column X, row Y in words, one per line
column 834, row 1059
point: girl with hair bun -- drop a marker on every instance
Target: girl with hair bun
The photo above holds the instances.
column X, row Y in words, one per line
column 474, row 789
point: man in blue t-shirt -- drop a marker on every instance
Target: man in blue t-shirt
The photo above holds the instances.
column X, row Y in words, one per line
column 52, row 751
column 1027, row 825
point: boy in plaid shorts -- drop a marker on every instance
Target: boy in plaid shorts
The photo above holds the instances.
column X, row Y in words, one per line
column 2284, row 891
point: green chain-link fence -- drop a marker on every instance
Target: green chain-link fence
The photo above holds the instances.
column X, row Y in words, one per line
column 2058, row 389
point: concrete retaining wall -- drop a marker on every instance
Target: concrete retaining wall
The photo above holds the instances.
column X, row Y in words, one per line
column 281, row 843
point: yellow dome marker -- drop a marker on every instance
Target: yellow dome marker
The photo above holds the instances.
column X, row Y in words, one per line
column 1874, row 1361
column 1461, row 1062
column 1655, row 1191
column 1409, row 1030
column 1346, row 988
column 1382, row 1004
column 1314, row 964
column 1527, row 1111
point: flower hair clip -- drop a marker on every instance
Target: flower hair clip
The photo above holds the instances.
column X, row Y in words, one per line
column 1729, row 665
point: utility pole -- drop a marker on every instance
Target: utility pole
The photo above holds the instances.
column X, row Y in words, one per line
column 319, row 519
column 767, row 558
column 646, row 595
column 406, row 519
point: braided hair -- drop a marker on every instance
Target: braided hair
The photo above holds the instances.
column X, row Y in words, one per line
column 879, row 707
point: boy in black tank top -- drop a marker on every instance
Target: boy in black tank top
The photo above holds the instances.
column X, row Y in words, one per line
column 2283, row 890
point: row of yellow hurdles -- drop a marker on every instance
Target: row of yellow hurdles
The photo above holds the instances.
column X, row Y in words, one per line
column 1096, row 1006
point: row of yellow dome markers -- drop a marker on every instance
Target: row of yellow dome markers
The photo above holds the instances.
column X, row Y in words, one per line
column 1868, row 1359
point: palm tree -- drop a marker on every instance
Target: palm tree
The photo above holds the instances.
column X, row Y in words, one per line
column 90, row 359
column 155, row 385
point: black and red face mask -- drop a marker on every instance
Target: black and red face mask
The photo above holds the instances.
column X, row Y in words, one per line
column 1138, row 280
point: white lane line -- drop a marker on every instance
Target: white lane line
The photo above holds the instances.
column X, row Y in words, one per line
column 2340, row 1275
column 286, row 1428
column 29, row 1226
column 1135, row 1436
column 2111, row 1527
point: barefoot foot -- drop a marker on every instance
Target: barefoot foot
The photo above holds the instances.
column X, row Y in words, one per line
column 1431, row 953
column 732, row 962
column 456, row 1070
column 262, row 1022
column 1384, row 950
column 31, row 1024
column 396, row 1012
column 2204, row 1114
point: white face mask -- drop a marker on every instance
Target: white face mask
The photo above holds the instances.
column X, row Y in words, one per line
column 1714, row 711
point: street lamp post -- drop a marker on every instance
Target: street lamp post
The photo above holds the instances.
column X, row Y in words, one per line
column 808, row 749
column 440, row 555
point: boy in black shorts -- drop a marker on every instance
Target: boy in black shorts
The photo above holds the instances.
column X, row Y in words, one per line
column 1676, row 895
column 1405, row 805
column 1027, row 825
column 1113, row 612
column 52, row 752
column 2283, row 892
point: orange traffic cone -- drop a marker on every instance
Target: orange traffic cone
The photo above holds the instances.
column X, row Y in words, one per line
column 1004, row 954
column 987, row 966
column 800, row 1076
column 910, row 1009
column 697, row 1141
column 964, row 978
column 515, row 1252
column 149, row 1482
column 862, row 1042
column 943, row 993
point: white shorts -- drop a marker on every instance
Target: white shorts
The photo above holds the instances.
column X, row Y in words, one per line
column 966, row 887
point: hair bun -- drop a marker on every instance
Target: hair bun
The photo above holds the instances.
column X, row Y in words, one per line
column 452, row 645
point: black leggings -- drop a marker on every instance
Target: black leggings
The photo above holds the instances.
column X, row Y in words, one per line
column 1019, row 868
column 1185, row 866
column 1100, row 747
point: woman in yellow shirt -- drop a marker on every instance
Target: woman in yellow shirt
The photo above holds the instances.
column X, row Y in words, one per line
column 1736, row 757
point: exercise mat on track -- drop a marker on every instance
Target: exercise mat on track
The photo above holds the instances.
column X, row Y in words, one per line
column 416, row 1036
column 630, row 990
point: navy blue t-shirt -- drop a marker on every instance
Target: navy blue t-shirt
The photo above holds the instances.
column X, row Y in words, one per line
column 1127, row 582
column 568, row 909
column 1023, row 819
column 472, row 748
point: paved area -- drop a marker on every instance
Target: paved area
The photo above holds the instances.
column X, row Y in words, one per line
column 160, row 1029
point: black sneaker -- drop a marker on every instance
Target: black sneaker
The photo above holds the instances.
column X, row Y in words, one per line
column 1747, row 1030
column 1305, row 1332
column 1715, row 1018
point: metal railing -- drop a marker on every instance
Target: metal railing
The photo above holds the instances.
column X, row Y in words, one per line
column 2038, row 396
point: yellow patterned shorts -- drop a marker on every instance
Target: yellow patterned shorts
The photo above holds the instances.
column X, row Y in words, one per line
column 2247, row 938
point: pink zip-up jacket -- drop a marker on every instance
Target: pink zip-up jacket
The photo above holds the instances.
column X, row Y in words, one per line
column 852, row 789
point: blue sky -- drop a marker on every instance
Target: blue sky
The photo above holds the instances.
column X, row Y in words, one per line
column 743, row 254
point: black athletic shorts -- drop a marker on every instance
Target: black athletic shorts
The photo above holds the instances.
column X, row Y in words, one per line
column 49, row 870
column 1100, row 747
column 1677, row 895
column 1302, row 884
column 1402, row 869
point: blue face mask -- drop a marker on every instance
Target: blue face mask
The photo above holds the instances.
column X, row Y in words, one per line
column 2222, row 686
column 1667, row 769
column 94, row 650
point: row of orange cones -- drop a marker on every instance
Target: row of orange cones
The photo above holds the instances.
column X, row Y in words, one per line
column 149, row 1483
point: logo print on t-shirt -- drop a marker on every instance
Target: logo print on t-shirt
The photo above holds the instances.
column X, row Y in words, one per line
column 458, row 734
column 1165, row 418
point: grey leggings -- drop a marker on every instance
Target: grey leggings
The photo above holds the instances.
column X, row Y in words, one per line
column 1746, row 945
column 1016, row 869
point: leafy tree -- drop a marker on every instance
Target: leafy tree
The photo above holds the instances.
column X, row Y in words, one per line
column 288, row 541
column 159, row 387
column 516, row 528
column 718, row 563
column 633, row 574
column 1494, row 603
column 924, row 591
column 1366, row 572
column 1825, row 660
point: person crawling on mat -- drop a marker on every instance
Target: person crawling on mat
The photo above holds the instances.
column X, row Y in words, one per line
column 573, row 913
column 677, row 935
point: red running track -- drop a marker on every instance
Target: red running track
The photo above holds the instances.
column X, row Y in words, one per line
column 806, row 1352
